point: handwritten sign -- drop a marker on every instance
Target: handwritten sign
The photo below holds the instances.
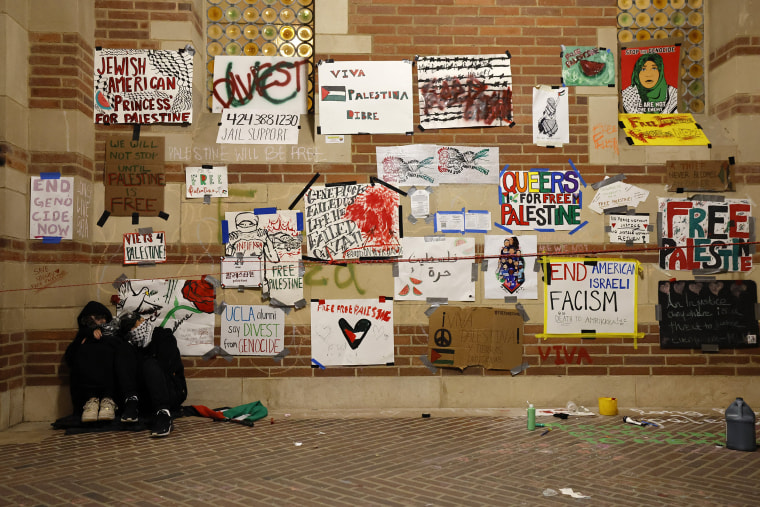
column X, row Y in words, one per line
column 432, row 269
column 352, row 332
column 540, row 199
column 662, row 130
column 249, row 330
column 617, row 194
column 590, row 297
column 258, row 127
column 352, row 221
column 260, row 82
column 134, row 176
column 144, row 248
column 465, row 91
column 719, row 312
column 698, row 175
column 203, row 181
column 143, row 86
column 241, row 272
column 363, row 97
column 705, row 234
column 511, row 267
column 629, row 229
column 489, row 337
column 51, row 208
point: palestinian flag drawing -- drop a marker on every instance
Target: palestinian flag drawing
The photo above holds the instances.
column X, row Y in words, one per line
column 334, row 93
column 442, row 356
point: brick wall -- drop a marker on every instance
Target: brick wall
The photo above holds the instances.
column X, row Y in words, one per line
column 532, row 30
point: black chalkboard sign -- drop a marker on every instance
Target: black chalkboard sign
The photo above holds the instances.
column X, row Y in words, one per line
column 719, row 312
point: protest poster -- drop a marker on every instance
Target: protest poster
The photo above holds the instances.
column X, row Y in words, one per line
column 431, row 269
column 252, row 330
column 51, row 207
column 712, row 235
column 465, row 91
column 551, row 116
column 698, row 175
column 694, row 313
column 352, row 332
column 587, row 66
column 461, row 337
column 241, row 271
column 362, row 97
column 511, row 264
column 616, row 194
column 206, row 181
column 428, row 164
column 258, row 127
column 134, row 176
column 352, row 221
column 271, row 83
column 147, row 248
column 662, row 130
column 186, row 307
column 143, row 86
column 274, row 238
column 629, row 228
column 649, row 76
column 590, row 297
column 540, row 199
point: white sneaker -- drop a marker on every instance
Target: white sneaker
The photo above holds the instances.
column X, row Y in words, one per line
column 107, row 410
column 90, row 412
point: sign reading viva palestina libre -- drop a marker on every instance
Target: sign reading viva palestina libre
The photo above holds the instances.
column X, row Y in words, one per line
column 540, row 199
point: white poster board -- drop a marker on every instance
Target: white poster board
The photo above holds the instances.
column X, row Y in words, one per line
column 241, row 272
column 430, row 269
column 144, row 248
column 352, row 332
column 258, row 127
column 260, row 82
column 551, row 116
column 511, row 267
column 250, row 330
column 590, row 297
column 361, row 97
column 203, row 181
column 143, row 86
column 629, row 228
column 51, row 208
column 429, row 164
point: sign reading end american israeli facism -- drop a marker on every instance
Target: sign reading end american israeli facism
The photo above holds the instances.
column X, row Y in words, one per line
column 540, row 199
column 143, row 86
column 711, row 235
column 590, row 297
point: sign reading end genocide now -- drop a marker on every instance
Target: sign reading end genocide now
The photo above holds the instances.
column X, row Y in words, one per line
column 51, row 212
column 134, row 176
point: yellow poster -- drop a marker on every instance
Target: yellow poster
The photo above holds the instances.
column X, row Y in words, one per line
column 662, row 130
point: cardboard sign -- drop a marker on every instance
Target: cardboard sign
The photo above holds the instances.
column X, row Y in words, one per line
column 698, row 175
column 489, row 337
column 248, row 330
column 662, row 130
column 144, row 248
column 51, row 208
column 258, row 127
column 134, row 176
column 705, row 234
column 203, row 181
column 143, row 86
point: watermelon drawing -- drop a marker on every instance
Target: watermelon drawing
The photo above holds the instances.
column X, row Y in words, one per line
column 590, row 68
column 102, row 101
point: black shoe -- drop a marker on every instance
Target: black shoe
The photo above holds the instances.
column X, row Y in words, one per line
column 162, row 425
column 130, row 410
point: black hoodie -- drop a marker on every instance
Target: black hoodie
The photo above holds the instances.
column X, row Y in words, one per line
column 86, row 326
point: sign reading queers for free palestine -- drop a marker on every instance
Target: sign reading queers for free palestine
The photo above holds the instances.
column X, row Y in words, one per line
column 540, row 199
column 590, row 297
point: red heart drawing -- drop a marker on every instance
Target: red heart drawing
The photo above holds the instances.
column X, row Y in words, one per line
column 354, row 335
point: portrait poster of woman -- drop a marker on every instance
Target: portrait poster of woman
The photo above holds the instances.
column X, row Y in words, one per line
column 649, row 76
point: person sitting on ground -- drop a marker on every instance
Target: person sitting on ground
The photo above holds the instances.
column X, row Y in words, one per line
column 90, row 358
column 150, row 371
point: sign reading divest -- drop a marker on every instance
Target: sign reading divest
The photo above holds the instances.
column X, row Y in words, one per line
column 540, row 199
column 144, row 248
column 590, row 297
column 249, row 330
column 134, row 176
column 51, row 211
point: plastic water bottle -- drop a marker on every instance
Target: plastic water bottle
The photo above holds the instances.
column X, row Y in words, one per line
column 531, row 417
column 740, row 427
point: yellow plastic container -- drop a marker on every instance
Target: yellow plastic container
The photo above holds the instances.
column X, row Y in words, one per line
column 608, row 406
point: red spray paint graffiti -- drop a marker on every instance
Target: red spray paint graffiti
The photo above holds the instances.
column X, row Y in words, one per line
column 564, row 356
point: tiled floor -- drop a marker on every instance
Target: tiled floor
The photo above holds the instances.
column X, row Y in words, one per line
column 400, row 460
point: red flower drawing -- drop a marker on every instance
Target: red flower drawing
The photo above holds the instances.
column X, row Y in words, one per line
column 375, row 211
column 201, row 294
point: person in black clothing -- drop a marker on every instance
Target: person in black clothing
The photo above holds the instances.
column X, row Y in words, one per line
column 90, row 358
column 150, row 372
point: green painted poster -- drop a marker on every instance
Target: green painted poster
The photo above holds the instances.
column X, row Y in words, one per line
column 587, row 66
